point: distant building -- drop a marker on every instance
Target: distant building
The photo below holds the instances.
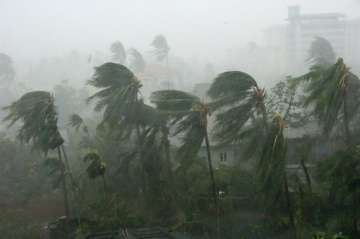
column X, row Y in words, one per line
column 296, row 37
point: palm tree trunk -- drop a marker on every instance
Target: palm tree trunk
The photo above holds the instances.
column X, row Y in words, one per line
column 65, row 192
column 288, row 204
column 212, row 178
column 307, row 175
column 264, row 116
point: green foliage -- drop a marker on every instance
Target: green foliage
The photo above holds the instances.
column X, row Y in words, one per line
column 237, row 99
column 96, row 167
column 118, row 51
column 118, row 96
column 161, row 47
column 321, row 52
column 137, row 62
column 76, row 121
column 37, row 113
column 271, row 166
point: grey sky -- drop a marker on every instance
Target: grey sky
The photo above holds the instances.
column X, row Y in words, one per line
column 33, row 28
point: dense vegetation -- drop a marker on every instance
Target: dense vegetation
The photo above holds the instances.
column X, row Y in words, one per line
column 134, row 162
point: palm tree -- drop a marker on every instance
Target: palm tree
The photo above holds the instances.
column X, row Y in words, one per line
column 190, row 116
column 118, row 51
column 118, row 97
column 36, row 111
column 7, row 72
column 271, row 166
column 96, row 167
column 321, row 52
column 125, row 113
column 238, row 102
column 161, row 48
column 334, row 95
column 339, row 173
column 136, row 61
column 76, row 121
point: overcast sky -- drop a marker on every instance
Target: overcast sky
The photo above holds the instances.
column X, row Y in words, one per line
column 31, row 29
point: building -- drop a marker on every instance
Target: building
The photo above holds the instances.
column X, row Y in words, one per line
column 296, row 36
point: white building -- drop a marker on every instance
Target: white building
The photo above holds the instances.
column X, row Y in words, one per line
column 296, row 36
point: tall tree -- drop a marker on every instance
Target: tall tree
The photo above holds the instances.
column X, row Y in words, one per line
column 136, row 61
column 161, row 48
column 271, row 168
column 118, row 51
column 190, row 117
column 238, row 102
column 118, row 97
column 36, row 111
column 333, row 96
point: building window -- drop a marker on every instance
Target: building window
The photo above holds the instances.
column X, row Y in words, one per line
column 223, row 157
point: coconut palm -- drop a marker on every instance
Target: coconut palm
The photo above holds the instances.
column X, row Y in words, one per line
column 190, row 117
column 96, row 167
column 161, row 48
column 76, row 121
column 118, row 51
column 36, row 111
column 118, row 97
column 238, row 102
column 334, row 96
column 271, row 170
column 321, row 52
column 136, row 61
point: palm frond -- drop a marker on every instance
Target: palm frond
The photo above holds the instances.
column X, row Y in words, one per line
column 234, row 85
column 173, row 100
column 36, row 111
column 137, row 62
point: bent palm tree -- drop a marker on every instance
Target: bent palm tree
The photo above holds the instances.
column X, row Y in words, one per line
column 161, row 48
column 36, row 111
column 118, row 51
column 118, row 97
column 96, row 167
column 271, row 166
column 333, row 95
column 76, row 121
column 136, row 62
column 240, row 110
column 189, row 115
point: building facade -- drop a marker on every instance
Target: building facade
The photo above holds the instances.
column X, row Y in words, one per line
column 296, row 36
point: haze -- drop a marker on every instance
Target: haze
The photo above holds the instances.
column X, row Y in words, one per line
column 34, row 29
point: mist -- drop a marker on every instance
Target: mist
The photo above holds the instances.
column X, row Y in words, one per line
column 179, row 119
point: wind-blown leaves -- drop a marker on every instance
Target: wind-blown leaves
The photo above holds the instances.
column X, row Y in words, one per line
column 161, row 47
column 118, row 51
column 136, row 62
column 96, row 167
column 118, row 97
column 76, row 121
column 271, row 166
column 187, row 114
column 36, row 111
column 236, row 98
column 321, row 52
column 328, row 94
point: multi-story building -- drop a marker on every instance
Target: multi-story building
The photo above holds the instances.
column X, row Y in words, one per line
column 296, row 37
